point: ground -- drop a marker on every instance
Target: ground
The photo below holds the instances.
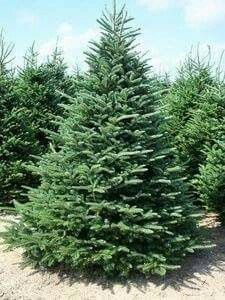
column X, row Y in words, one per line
column 201, row 277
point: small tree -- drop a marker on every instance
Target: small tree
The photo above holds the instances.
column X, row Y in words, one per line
column 210, row 182
column 35, row 104
column 110, row 198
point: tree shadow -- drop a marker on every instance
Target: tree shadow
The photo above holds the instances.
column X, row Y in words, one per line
column 196, row 266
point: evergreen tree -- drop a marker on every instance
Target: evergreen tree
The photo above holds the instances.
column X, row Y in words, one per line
column 110, row 199
column 7, row 104
column 210, row 182
column 196, row 111
column 35, row 103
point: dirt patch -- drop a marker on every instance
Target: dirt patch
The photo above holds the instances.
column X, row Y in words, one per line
column 201, row 277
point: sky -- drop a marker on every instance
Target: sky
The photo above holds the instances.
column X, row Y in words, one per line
column 169, row 28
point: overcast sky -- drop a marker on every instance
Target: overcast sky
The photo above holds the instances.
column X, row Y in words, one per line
column 169, row 27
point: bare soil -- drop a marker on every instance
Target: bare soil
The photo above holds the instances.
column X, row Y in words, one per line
column 201, row 277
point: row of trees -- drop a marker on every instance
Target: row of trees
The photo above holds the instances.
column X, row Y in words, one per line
column 108, row 192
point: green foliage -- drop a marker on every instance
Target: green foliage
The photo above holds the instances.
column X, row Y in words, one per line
column 211, row 180
column 196, row 108
column 7, row 103
column 29, row 101
column 111, row 199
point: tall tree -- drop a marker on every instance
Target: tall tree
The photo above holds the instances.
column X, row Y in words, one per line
column 7, row 106
column 110, row 198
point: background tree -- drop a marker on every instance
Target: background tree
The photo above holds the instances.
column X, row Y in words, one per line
column 7, row 102
column 35, row 103
column 195, row 106
column 110, row 199
column 210, row 182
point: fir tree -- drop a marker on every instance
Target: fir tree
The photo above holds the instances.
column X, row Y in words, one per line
column 35, row 104
column 210, row 181
column 110, row 199
column 7, row 104
column 196, row 110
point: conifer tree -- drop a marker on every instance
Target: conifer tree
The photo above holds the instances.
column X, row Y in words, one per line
column 196, row 112
column 35, row 103
column 7, row 104
column 111, row 199
column 210, row 181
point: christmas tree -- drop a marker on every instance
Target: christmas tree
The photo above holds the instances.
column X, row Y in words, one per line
column 210, row 181
column 34, row 103
column 196, row 109
column 111, row 199
column 7, row 107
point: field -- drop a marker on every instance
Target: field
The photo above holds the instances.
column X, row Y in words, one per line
column 201, row 277
column 114, row 171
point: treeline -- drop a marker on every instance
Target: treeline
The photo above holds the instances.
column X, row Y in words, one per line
column 112, row 170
